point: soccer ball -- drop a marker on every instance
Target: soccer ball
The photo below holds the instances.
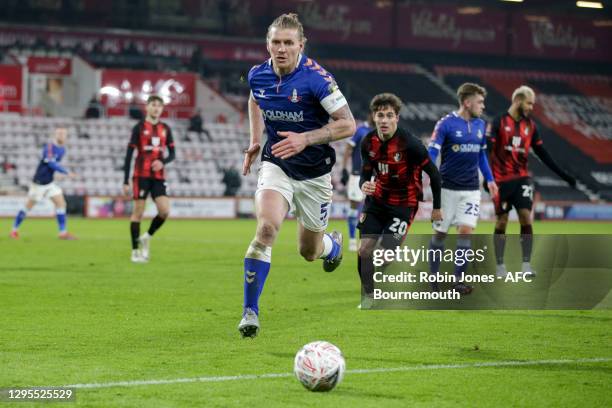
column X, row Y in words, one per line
column 319, row 366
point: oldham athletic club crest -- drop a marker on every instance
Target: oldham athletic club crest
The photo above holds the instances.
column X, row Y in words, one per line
column 294, row 96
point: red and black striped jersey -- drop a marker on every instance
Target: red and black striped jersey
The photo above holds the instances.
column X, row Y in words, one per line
column 510, row 143
column 396, row 164
column 150, row 141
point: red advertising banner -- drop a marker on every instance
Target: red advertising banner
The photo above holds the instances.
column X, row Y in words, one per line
column 164, row 46
column 119, row 88
column 552, row 37
column 11, row 86
column 451, row 29
column 357, row 22
column 50, row 65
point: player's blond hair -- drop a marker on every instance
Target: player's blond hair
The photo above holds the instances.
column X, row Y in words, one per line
column 288, row 21
column 468, row 89
column 522, row 92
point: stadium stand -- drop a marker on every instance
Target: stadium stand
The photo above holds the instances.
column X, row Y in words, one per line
column 574, row 115
column 96, row 150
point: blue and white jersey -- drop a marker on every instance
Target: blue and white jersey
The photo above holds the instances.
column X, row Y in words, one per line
column 355, row 143
column 52, row 154
column 297, row 102
column 463, row 146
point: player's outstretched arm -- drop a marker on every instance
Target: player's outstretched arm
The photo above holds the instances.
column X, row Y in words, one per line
column 543, row 154
column 435, row 182
column 342, row 126
column 256, row 128
column 126, row 165
column 485, row 169
column 348, row 151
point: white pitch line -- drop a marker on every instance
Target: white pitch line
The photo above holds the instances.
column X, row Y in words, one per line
column 356, row 371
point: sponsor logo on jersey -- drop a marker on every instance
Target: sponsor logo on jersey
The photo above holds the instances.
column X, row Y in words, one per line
column 284, row 116
column 261, row 93
column 294, row 96
column 466, row 148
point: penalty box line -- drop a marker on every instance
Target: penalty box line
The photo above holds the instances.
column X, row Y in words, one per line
column 425, row 367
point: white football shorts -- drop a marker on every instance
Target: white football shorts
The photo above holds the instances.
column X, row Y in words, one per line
column 38, row 192
column 458, row 208
column 310, row 199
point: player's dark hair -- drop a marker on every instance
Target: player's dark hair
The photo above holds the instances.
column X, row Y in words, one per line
column 154, row 98
column 383, row 100
column 290, row 21
column 468, row 89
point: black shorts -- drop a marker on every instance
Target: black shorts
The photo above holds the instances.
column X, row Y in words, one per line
column 514, row 193
column 389, row 221
column 143, row 186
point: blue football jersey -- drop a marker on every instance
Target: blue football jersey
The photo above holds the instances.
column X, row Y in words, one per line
column 460, row 142
column 52, row 154
column 355, row 142
column 297, row 102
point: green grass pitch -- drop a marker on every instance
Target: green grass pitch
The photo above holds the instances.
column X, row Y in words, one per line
column 80, row 313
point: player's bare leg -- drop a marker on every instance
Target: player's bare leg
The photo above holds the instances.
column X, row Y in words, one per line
column 315, row 245
column 499, row 241
column 270, row 209
column 21, row 215
column 365, row 267
column 135, row 218
column 60, row 210
column 163, row 211
column 524, row 216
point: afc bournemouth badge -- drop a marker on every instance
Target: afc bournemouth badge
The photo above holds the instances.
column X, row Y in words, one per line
column 362, row 217
column 397, row 157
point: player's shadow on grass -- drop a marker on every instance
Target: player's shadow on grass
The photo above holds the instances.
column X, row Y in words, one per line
column 28, row 269
column 396, row 361
column 548, row 315
column 477, row 353
column 564, row 368
column 354, row 392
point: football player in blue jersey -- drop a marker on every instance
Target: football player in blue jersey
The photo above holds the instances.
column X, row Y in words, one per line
column 299, row 105
column 460, row 137
column 43, row 186
column 352, row 152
